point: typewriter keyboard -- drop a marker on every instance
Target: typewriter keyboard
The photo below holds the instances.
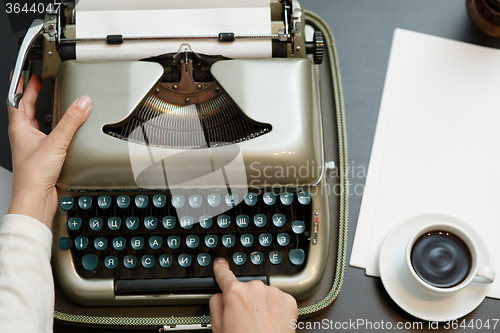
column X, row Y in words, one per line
column 144, row 235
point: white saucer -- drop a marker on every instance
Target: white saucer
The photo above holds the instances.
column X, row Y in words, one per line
column 397, row 282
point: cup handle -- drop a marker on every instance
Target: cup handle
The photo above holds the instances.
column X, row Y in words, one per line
column 486, row 272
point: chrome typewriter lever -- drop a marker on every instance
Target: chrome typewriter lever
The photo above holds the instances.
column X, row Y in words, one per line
column 34, row 31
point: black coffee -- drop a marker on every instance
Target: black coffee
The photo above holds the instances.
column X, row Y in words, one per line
column 441, row 259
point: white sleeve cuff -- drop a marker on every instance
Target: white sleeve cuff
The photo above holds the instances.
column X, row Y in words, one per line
column 25, row 226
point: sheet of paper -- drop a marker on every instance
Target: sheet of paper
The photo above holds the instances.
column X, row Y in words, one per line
column 132, row 18
column 436, row 143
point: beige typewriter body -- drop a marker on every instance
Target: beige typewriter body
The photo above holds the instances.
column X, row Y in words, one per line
column 98, row 161
column 281, row 92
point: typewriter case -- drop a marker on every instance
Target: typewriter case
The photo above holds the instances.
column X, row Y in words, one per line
column 300, row 132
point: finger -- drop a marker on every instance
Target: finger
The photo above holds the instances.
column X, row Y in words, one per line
column 216, row 311
column 223, row 274
column 12, row 111
column 31, row 95
column 72, row 119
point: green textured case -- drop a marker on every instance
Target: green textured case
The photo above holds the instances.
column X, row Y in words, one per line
column 198, row 316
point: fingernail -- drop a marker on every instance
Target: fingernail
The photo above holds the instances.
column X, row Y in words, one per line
column 83, row 102
column 220, row 260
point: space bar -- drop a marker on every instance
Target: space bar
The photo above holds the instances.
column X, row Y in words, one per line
column 194, row 285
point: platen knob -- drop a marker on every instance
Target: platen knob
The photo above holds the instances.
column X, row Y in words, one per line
column 316, row 47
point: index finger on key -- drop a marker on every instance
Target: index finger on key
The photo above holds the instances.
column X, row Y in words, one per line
column 223, row 274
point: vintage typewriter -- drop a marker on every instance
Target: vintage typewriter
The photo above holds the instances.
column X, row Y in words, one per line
column 186, row 157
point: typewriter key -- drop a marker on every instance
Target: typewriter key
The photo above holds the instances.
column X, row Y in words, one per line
column 242, row 221
column 286, row 198
column 85, row 203
column 203, row 259
column 123, row 201
column 211, row 241
column 298, row 227
column 67, row 203
column 186, row 222
column 81, row 242
column 184, row 260
column 119, row 243
column 137, row 243
column 90, row 261
column 283, row 239
column 296, row 256
column 141, row 201
column 169, row 222
column 178, row 201
column 100, row 243
column 213, row 199
column 275, row 257
column 260, row 220
column 147, row 261
column 155, row 242
column 304, row 197
column 165, row 260
column 256, row 258
column 269, row 198
column 195, row 201
column 246, row 240
column 114, row 223
column 174, row 242
column 150, row 222
column 159, row 200
column 110, row 262
column 223, row 221
column 228, row 240
column 279, row 220
column 232, row 199
column 265, row 239
column 104, row 202
column 205, row 221
column 250, row 199
column 132, row 223
column 95, row 223
column 192, row 241
column 239, row 258
column 74, row 223
column 129, row 261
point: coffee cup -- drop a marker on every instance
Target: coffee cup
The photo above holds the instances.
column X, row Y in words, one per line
column 442, row 259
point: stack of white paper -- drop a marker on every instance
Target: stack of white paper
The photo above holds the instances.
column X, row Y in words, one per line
column 436, row 146
column 132, row 18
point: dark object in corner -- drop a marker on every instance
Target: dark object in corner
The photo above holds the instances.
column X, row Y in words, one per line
column 486, row 15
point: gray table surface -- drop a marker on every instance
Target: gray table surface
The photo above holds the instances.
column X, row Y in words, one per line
column 363, row 31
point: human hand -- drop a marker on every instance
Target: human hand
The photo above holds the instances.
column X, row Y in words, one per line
column 249, row 306
column 37, row 158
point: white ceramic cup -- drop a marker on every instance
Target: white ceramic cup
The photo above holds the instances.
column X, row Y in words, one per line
column 477, row 269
